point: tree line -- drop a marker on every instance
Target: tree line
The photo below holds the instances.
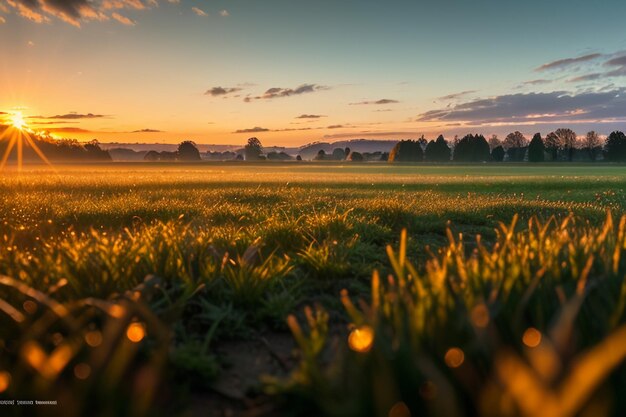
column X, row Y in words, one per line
column 560, row 145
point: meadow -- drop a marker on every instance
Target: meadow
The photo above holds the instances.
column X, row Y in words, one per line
column 315, row 289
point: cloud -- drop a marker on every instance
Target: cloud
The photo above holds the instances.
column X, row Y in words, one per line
column 199, row 12
column 67, row 130
column 587, row 77
column 540, row 81
column 562, row 106
column 377, row 102
column 123, row 19
column 75, row 12
column 221, row 91
column 568, row 62
column 70, row 116
column 278, row 92
column 334, row 127
column 2, row 20
column 310, row 116
column 224, row 13
column 456, row 95
column 617, row 67
column 255, row 129
column 147, row 131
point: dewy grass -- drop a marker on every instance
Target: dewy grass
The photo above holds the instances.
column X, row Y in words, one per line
column 533, row 325
column 195, row 264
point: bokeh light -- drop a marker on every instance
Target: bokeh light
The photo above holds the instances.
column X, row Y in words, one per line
column 531, row 337
column 454, row 357
column 361, row 339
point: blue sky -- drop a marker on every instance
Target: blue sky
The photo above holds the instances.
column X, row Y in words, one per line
column 147, row 70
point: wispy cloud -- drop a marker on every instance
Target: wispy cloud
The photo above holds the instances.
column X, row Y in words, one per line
column 123, row 19
column 147, row 131
column 255, row 129
column 76, row 12
column 536, row 107
column 70, row 116
column 616, row 67
column 310, row 116
column 199, row 11
column 67, row 130
column 540, row 81
column 279, row 92
column 377, row 102
column 456, row 95
column 224, row 13
column 568, row 62
column 221, row 91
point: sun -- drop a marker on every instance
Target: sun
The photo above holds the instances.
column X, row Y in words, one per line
column 17, row 121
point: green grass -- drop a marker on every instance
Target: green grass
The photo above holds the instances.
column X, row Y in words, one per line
column 232, row 249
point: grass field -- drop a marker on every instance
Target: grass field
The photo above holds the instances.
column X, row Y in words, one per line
column 160, row 283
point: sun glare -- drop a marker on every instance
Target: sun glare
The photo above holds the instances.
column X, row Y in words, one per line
column 17, row 121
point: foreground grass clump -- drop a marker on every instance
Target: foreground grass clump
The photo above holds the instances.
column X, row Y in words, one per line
column 533, row 325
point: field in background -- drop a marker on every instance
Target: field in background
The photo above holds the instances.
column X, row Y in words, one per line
column 230, row 250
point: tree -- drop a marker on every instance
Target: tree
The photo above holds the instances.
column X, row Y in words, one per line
column 437, row 150
column 591, row 143
column 321, row 155
column 536, row 149
column 615, row 147
column 346, row 152
column 339, row 154
column 423, row 142
column 298, row 158
column 253, row 149
column 552, row 144
column 515, row 140
column 472, row 148
column 497, row 154
column 187, row 151
column 356, row 157
column 406, row 151
column 567, row 140
column 95, row 152
column 494, row 142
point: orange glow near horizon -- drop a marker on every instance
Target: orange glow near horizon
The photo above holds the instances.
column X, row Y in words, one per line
column 17, row 121
column 17, row 134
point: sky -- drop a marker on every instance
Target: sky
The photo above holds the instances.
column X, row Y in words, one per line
column 292, row 72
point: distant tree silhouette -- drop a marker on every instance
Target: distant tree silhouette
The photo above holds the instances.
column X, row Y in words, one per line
column 346, row 153
column 95, row 152
column 384, row 156
column 591, row 143
column 515, row 140
column 472, row 148
column 338, row 154
column 552, row 144
column 567, row 140
column 497, row 154
column 516, row 154
column 536, row 149
column 188, row 151
column 437, row 150
column 253, row 149
column 423, row 142
column 356, row 157
column 279, row 156
column 298, row 158
column 615, row 147
column 406, row 151
column 152, row 156
column 494, row 142
column 321, row 155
